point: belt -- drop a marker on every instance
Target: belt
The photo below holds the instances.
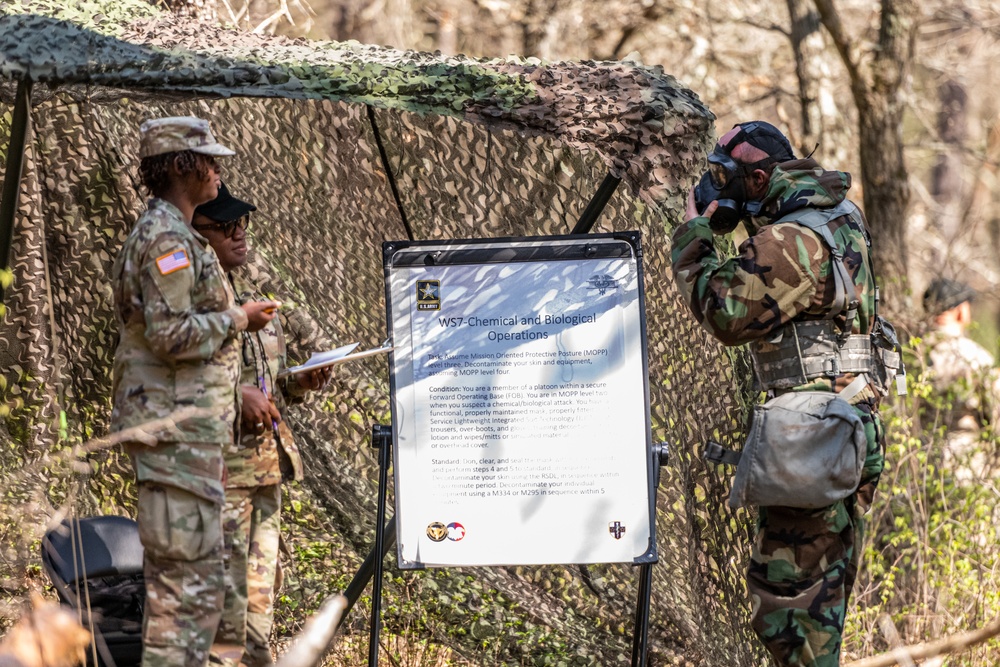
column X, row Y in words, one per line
column 804, row 351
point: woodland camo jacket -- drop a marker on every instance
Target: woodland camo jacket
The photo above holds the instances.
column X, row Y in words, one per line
column 782, row 272
column 178, row 329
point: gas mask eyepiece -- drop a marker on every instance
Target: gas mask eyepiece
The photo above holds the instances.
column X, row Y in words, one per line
column 722, row 169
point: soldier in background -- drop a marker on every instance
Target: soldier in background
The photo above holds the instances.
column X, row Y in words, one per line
column 265, row 452
column 179, row 329
column 960, row 370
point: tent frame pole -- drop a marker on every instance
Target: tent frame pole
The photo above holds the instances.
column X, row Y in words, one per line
column 19, row 128
column 596, row 205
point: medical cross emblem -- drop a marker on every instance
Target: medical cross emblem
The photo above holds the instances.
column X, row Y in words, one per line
column 616, row 529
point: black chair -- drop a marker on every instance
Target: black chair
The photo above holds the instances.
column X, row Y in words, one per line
column 95, row 565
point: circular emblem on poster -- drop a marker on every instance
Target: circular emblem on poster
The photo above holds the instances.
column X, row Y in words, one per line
column 437, row 531
column 456, row 531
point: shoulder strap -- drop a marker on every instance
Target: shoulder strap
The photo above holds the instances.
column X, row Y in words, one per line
column 818, row 220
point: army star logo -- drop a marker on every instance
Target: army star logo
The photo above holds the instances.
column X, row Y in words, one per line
column 428, row 295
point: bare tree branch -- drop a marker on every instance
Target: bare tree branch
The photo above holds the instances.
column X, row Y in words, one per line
column 845, row 45
column 926, row 650
column 273, row 18
column 766, row 27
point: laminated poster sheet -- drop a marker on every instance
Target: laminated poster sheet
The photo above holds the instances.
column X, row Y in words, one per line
column 520, row 401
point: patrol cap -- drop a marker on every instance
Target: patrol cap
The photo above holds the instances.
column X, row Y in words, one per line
column 178, row 133
column 225, row 207
column 944, row 294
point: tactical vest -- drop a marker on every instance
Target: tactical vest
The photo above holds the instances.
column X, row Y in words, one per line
column 803, row 351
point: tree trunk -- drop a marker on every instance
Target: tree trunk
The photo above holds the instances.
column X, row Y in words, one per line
column 538, row 28
column 803, row 36
column 823, row 129
column 946, row 184
column 878, row 90
column 886, row 194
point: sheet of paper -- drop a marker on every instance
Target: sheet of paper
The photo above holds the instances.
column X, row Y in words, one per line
column 321, row 359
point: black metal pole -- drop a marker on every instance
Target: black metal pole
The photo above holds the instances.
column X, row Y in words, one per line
column 367, row 569
column 659, row 454
column 383, row 436
column 597, row 204
column 19, row 128
column 388, row 172
column 640, row 636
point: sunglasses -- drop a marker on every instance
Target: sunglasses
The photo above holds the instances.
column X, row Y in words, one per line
column 228, row 228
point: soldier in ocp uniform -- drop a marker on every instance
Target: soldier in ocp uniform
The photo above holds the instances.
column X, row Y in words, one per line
column 787, row 275
column 265, row 452
column 962, row 372
column 179, row 329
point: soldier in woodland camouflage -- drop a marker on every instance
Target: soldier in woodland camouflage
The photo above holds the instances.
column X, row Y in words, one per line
column 264, row 452
column 804, row 561
column 178, row 328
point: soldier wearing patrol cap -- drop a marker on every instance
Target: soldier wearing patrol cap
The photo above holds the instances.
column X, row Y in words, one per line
column 800, row 291
column 178, row 328
column 265, row 453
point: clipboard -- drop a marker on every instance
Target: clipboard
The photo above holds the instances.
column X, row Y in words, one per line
column 336, row 356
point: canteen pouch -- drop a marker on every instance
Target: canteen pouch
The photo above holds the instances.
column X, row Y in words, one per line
column 805, row 449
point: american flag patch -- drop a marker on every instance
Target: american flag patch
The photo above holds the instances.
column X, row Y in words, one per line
column 174, row 261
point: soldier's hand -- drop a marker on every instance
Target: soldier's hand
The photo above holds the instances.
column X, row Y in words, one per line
column 314, row 380
column 692, row 212
column 258, row 410
column 259, row 313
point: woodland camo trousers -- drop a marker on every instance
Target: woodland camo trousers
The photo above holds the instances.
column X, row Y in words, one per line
column 804, row 564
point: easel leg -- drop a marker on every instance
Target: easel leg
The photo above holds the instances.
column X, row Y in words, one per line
column 659, row 453
column 641, row 632
column 381, row 438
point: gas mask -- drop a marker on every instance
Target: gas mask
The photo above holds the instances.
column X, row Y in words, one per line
column 729, row 212
column 724, row 182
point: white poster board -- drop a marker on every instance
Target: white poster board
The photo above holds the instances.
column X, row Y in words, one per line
column 520, row 401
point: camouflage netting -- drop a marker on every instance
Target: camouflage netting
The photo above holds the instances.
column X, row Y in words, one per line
column 476, row 148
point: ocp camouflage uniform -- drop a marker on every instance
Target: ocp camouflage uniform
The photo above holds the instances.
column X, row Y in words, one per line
column 178, row 326
column 961, row 366
column 804, row 562
column 967, row 394
column 256, row 465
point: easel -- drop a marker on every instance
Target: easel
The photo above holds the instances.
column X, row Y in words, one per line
column 386, row 532
column 385, row 538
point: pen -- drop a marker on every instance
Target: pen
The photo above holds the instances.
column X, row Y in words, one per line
column 263, row 388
